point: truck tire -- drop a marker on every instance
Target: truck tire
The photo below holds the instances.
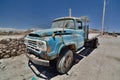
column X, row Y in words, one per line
column 65, row 61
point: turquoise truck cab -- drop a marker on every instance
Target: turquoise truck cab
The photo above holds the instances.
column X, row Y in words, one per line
column 67, row 35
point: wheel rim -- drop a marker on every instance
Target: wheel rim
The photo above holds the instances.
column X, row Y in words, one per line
column 68, row 61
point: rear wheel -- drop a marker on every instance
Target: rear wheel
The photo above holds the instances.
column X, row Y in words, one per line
column 64, row 62
column 95, row 43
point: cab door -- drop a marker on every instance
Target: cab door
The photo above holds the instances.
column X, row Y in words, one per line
column 79, row 33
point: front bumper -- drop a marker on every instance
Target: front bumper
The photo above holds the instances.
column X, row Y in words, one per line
column 37, row 60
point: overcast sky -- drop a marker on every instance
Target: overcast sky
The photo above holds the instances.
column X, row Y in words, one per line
column 26, row 14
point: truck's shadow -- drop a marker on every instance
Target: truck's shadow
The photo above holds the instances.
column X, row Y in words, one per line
column 49, row 72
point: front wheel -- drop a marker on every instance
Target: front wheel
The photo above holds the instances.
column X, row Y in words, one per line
column 64, row 62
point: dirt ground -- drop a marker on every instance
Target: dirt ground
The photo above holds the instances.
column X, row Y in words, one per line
column 102, row 63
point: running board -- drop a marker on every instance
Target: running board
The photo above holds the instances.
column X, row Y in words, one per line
column 80, row 51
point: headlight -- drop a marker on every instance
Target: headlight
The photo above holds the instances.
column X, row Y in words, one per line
column 42, row 45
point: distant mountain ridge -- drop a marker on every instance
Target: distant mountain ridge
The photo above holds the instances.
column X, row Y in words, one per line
column 91, row 30
column 15, row 29
column 10, row 29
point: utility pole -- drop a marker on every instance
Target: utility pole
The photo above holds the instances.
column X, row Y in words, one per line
column 103, row 17
column 70, row 12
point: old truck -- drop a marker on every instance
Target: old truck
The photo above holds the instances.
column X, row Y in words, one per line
column 59, row 43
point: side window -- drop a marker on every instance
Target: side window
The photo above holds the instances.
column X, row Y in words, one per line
column 79, row 25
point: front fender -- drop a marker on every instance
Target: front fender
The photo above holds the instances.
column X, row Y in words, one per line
column 55, row 45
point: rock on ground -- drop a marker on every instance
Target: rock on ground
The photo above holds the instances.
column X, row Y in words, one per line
column 11, row 47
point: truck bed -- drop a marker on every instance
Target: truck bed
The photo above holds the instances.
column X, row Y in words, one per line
column 93, row 36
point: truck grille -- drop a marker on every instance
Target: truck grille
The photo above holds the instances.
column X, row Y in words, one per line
column 32, row 43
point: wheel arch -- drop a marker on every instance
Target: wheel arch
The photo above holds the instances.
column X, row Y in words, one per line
column 64, row 47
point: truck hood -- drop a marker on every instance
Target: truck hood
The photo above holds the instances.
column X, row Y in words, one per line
column 49, row 32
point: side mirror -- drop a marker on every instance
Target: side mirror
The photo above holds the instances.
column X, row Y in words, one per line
column 79, row 27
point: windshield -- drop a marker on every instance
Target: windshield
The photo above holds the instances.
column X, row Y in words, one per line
column 63, row 24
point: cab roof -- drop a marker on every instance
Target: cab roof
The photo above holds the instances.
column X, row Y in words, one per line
column 62, row 18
